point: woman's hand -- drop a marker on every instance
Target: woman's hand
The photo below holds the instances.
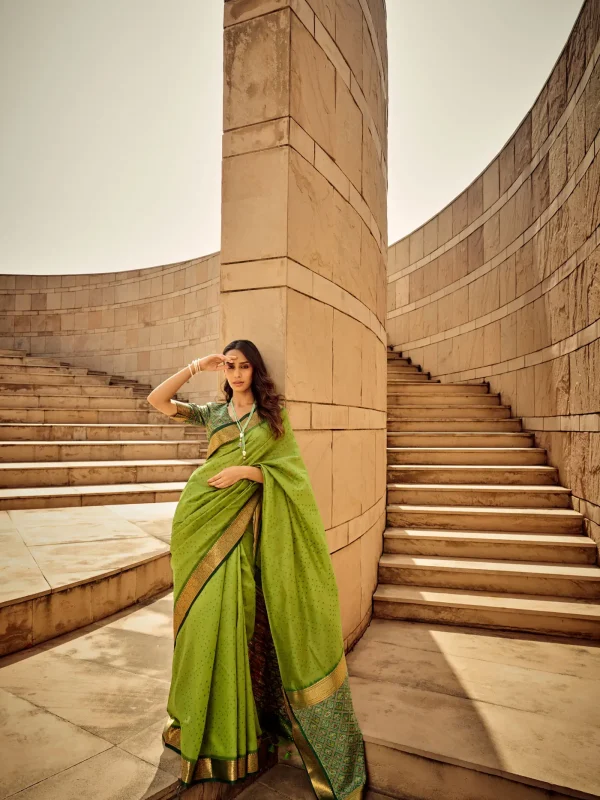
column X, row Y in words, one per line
column 227, row 477
column 212, row 363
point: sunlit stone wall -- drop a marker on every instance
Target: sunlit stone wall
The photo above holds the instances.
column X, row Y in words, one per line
column 503, row 285
column 304, row 248
column 144, row 324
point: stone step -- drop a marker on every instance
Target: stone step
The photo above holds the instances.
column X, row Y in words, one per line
column 481, row 575
column 446, row 424
column 504, row 610
column 8, row 352
column 33, row 361
column 74, row 402
column 470, row 474
column 447, row 411
column 91, row 473
column 409, row 378
column 8, row 379
column 400, row 400
column 399, row 368
column 465, row 439
column 42, row 432
column 488, row 456
column 537, row 520
column 92, row 416
column 454, row 713
column 491, row 545
column 30, row 390
column 435, row 387
column 69, row 496
column 45, row 369
column 23, row 451
column 479, row 494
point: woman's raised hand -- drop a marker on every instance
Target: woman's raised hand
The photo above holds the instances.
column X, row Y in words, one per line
column 213, row 363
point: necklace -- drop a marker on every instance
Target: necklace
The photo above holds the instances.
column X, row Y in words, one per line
column 241, row 429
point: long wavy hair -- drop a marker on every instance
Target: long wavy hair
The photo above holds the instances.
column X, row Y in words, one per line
column 268, row 400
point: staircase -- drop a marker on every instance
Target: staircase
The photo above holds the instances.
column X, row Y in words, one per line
column 71, row 436
column 480, row 532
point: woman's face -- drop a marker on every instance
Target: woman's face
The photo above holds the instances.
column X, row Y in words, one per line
column 238, row 370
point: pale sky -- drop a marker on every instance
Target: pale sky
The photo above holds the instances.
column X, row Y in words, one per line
column 111, row 114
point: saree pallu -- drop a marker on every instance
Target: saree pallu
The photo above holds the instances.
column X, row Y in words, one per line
column 258, row 640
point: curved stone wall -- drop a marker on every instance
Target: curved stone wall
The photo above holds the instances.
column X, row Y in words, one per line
column 503, row 285
column 304, row 235
column 144, row 324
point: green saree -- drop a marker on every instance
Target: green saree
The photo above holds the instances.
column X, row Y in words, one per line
column 259, row 653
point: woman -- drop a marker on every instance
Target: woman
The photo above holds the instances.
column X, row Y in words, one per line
column 259, row 654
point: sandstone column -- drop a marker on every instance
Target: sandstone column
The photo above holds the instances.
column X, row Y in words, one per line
column 304, row 247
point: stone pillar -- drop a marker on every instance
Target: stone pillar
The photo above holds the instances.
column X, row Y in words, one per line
column 304, row 248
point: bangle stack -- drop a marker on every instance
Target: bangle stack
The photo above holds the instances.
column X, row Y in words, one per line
column 194, row 367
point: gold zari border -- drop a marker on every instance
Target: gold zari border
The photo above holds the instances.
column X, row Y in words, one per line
column 229, row 434
column 317, row 776
column 303, row 698
column 212, row 560
column 218, row 769
column 207, row 768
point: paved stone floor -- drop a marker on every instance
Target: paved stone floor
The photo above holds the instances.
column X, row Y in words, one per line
column 81, row 715
column 44, row 550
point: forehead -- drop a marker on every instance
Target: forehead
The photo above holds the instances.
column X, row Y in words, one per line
column 237, row 356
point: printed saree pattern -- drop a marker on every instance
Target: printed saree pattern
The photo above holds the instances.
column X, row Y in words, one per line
column 259, row 651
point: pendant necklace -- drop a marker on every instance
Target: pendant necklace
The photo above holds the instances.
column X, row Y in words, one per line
column 242, row 429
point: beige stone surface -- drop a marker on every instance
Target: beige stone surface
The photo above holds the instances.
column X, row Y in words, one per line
column 254, row 206
column 309, row 349
column 312, row 87
column 58, row 744
column 107, row 701
column 76, row 562
column 256, row 54
column 104, row 777
column 316, row 449
column 312, row 218
column 347, row 488
column 74, row 525
column 442, row 707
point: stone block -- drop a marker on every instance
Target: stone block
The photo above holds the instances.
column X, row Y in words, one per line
column 312, row 89
column 348, row 135
column 309, row 339
column 491, row 185
column 316, row 448
column 347, row 260
column 311, row 226
column 347, row 359
column 347, row 489
column 349, row 34
column 460, row 213
column 475, row 200
column 256, row 70
column 254, row 206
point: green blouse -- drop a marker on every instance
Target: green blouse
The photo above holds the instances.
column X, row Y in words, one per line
column 212, row 415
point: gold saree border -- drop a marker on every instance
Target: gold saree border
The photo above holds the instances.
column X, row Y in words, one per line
column 212, row 560
column 316, row 773
column 206, row 767
column 229, row 433
column 321, row 690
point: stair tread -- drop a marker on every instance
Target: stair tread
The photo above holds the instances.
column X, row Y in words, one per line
column 109, row 463
column 111, row 488
column 556, row 512
column 499, row 467
column 489, row 536
column 88, row 443
column 401, row 449
column 543, row 604
column 587, row 572
column 484, row 487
